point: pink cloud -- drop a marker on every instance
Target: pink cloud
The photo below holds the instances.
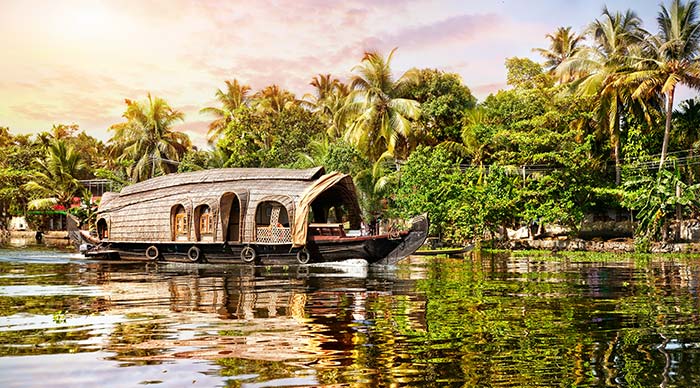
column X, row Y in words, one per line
column 483, row 90
column 196, row 130
column 183, row 50
column 457, row 29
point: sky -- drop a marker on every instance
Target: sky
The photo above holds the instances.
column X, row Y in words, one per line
column 74, row 62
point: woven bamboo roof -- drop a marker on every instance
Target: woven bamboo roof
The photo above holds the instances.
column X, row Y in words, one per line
column 144, row 211
column 223, row 175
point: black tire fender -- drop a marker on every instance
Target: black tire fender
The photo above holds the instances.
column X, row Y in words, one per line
column 152, row 252
column 303, row 256
column 194, row 254
column 248, row 254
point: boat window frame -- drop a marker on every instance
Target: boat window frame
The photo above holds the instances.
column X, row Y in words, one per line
column 269, row 220
column 204, row 222
column 102, row 234
column 180, row 222
column 278, row 229
column 205, row 219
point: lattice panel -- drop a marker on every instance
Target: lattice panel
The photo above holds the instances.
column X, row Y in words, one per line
column 275, row 216
column 273, row 234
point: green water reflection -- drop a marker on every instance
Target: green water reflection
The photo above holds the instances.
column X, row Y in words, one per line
column 486, row 320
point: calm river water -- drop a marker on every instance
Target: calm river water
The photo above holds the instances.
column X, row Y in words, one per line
column 489, row 320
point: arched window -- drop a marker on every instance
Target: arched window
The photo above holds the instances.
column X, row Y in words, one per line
column 205, row 218
column 179, row 222
column 203, row 223
column 102, row 229
column 272, row 223
column 271, row 213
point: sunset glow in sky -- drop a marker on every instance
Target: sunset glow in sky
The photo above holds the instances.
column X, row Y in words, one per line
column 76, row 61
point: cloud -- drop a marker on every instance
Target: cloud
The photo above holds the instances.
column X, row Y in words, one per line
column 458, row 29
column 196, row 130
column 184, row 50
column 484, row 90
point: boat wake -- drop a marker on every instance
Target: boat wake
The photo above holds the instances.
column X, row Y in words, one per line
column 346, row 268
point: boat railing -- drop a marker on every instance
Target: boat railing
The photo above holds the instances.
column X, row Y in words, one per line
column 273, row 234
column 326, row 229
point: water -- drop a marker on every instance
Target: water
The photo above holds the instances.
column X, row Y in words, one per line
column 490, row 320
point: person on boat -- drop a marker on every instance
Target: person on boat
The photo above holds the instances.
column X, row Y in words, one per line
column 373, row 226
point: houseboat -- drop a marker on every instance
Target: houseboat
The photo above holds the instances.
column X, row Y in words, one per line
column 249, row 215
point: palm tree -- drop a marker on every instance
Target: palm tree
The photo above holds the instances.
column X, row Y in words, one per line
column 235, row 96
column 146, row 138
column 383, row 122
column 328, row 102
column 62, row 131
column 273, row 99
column 5, row 137
column 601, row 68
column 686, row 122
column 56, row 178
column 669, row 59
column 472, row 147
column 564, row 44
column 325, row 85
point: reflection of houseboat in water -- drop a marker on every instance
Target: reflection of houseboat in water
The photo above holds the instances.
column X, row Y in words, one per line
column 227, row 215
column 270, row 313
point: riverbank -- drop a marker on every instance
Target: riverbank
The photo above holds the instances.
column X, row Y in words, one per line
column 621, row 245
column 26, row 238
column 59, row 239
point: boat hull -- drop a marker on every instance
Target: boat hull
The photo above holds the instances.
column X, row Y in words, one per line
column 384, row 249
column 372, row 249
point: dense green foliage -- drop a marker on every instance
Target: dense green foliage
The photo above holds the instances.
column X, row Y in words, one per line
column 444, row 101
column 255, row 138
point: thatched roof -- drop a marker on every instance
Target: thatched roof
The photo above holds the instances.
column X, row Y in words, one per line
column 144, row 211
column 223, row 175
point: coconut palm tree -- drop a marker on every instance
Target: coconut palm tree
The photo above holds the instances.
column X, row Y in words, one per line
column 564, row 44
column 601, row 68
column 686, row 125
column 273, row 99
column 686, row 120
column 146, row 138
column 328, row 101
column 383, row 119
column 235, row 96
column 62, row 131
column 669, row 59
column 324, row 85
column 56, row 181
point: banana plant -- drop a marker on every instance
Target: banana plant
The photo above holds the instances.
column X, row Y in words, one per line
column 658, row 199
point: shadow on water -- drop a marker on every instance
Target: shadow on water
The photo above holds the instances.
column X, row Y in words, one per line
column 486, row 320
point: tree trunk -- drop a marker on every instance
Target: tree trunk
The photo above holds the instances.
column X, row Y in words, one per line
column 615, row 135
column 618, row 173
column 667, row 130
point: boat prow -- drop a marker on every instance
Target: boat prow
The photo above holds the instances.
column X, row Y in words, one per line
column 414, row 240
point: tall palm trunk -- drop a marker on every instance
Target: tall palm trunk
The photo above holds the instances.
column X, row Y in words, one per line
column 618, row 168
column 667, row 130
column 616, row 145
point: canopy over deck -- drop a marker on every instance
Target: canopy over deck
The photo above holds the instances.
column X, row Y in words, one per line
column 331, row 189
